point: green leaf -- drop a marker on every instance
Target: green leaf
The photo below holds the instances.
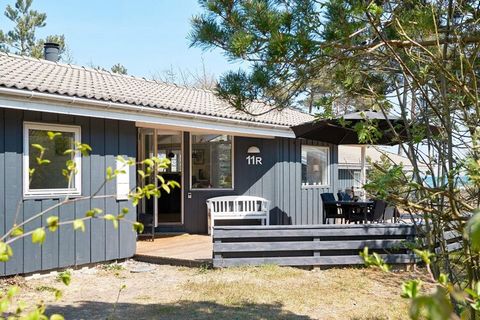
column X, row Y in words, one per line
column 58, row 294
column 472, row 231
column 109, row 173
column 16, row 231
column 5, row 252
column 435, row 306
column 138, row 227
column 148, row 162
column 12, row 291
column 52, row 135
column 166, row 188
column 65, row 277
column 425, row 255
column 41, row 161
column 410, row 289
column 79, row 224
column 68, row 151
column 38, row 236
column 141, row 173
column 85, row 149
column 174, row 184
column 93, row 212
column 125, row 210
column 38, row 147
column 443, row 279
column 56, row 317
column 52, row 223
column 111, row 217
column 4, row 304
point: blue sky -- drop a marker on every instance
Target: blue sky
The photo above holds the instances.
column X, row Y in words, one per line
column 146, row 36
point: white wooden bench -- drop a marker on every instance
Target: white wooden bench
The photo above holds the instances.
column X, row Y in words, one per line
column 237, row 208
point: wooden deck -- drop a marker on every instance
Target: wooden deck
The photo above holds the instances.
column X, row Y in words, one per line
column 190, row 250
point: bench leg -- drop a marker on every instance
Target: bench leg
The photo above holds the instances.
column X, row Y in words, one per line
column 212, row 222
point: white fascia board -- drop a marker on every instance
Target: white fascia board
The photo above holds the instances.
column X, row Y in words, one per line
column 165, row 118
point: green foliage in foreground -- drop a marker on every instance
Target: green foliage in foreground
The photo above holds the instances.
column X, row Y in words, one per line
column 440, row 303
column 152, row 168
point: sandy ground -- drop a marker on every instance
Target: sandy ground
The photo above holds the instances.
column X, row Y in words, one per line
column 270, row 292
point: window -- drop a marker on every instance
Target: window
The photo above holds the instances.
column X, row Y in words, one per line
column 314, row 166
column 357, row 177
column 211, row 161
column 47, row 179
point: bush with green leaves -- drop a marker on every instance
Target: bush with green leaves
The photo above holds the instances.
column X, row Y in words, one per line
column 151, row 171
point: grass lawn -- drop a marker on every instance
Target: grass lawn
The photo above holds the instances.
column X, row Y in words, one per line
column 267, row 292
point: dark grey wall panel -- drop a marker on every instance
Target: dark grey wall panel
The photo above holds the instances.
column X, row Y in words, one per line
column 111, row 205
column 65, row 247
column 83, row 239
column 50, row 246
column 32, row 255
column 2, row 180
column 277, row 179
column 66, row 236
column 13, row 184
column 97, row 176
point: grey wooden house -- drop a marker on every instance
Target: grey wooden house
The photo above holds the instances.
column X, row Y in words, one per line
column 214, row 150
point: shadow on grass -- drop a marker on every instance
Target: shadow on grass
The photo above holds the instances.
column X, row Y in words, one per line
column 180, row 310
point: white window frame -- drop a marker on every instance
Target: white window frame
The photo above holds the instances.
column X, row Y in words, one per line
column 76, row 190
column 327, row 169
column 357, row 182
column 191, row 162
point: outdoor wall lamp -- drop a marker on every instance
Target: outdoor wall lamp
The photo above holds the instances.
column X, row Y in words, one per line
column 253, row 150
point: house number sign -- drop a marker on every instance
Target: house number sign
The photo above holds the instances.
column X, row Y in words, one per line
column 254, row 160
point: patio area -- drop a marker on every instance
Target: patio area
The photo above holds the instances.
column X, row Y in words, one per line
column 191, row 250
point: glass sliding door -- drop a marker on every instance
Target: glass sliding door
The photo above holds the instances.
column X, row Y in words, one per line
column 163, row 144
column 169, row 205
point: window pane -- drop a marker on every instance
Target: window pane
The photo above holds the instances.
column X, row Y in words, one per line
column 211, row 161
column 314, row 165
column 49, row 176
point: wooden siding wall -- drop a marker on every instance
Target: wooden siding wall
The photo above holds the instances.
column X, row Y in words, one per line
column 318, row 245
column 66, row 247
column 277, row 179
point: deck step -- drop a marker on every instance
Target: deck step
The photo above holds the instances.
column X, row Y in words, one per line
column 174, row 261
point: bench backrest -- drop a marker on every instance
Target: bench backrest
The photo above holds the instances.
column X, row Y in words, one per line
column 238, row 204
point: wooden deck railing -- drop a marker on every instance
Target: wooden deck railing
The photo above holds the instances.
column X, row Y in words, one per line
column 320, row 245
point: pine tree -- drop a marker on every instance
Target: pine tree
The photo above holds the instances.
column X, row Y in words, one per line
column 119, row 68
column 22, row 38
column 417, row 60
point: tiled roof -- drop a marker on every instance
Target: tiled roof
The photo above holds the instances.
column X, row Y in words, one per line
column 63, row 79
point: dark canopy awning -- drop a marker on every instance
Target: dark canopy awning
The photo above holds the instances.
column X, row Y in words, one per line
column 342, row 130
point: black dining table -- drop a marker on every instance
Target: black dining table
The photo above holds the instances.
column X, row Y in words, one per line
column 359, row 205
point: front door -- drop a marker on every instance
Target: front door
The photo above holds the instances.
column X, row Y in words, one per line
column 167, row 209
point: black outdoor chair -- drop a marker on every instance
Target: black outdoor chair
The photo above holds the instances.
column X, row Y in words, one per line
column 391, row 214
column 330, row 208
column 343, row 196
column 377, row 214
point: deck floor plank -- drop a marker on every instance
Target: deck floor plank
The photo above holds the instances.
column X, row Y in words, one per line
column 188, row 247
